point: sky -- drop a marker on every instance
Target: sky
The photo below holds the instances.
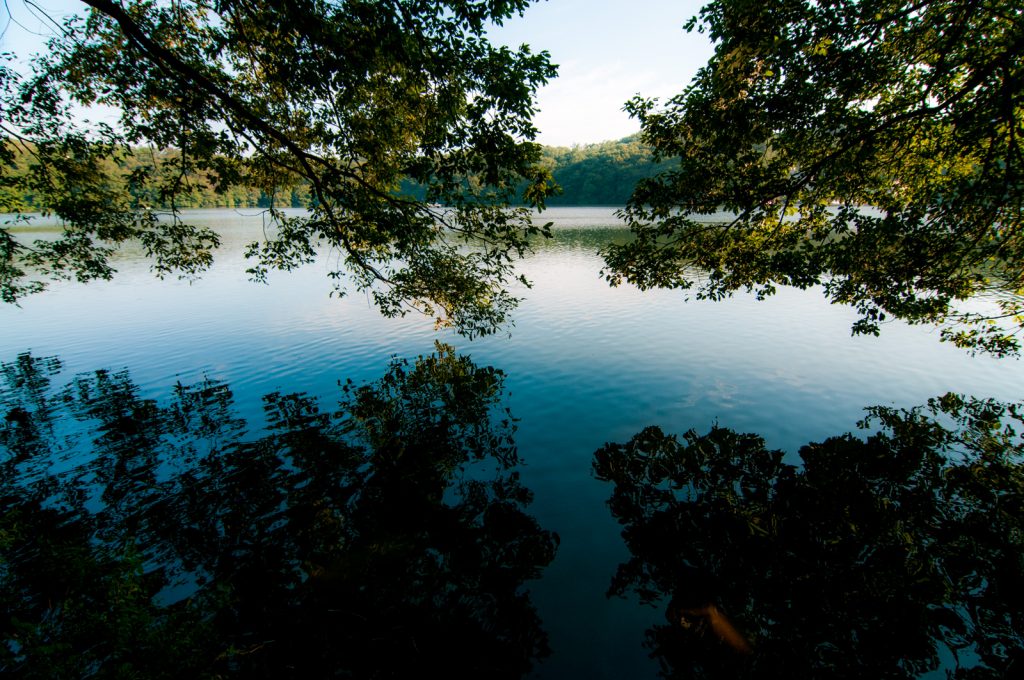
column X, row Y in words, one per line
column 606, row 50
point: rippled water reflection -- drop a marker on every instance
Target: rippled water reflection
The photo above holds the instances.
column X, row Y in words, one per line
column 586, row 364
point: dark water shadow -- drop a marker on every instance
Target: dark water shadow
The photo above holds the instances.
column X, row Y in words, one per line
column 892, row 555
column 382, row 538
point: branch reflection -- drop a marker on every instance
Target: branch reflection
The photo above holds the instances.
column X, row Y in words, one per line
column 892, row 555
column 154, row 540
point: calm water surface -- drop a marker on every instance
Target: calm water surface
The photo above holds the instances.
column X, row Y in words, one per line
column 586, row 364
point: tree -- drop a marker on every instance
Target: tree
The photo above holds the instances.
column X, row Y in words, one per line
column 871, row 147
column 347, row 97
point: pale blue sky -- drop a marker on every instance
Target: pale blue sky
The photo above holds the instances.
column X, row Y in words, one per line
column 607, row 51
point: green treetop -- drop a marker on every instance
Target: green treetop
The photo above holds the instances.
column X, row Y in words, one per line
column 345, row 98
column 872, row 147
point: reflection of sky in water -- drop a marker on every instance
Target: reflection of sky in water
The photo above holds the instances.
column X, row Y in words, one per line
column 586, row 364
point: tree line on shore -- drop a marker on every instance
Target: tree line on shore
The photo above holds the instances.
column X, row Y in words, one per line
column 409, row 117
column 603, row 173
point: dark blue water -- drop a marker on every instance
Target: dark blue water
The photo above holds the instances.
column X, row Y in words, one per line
column 586, row 364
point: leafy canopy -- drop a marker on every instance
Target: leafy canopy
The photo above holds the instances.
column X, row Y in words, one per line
column 872, row 147
column 347, row 97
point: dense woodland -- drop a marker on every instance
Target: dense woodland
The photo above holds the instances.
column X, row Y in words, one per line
column 591, row 174
column 599, row 174
column 122, row 172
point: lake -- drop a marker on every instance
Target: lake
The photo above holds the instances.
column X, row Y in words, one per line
column 584, row 365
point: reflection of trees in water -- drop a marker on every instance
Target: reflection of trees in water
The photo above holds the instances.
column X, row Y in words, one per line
column 374, row 540
column 885, row 557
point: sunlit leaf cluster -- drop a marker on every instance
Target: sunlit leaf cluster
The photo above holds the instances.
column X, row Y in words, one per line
column 347, row 98
column 872, row 148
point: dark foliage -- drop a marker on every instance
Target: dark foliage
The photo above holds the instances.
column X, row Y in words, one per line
column 885, row 557
column 149, row 540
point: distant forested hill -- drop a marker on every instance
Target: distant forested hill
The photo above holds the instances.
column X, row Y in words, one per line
column 140, row 178
column 599, row 174
column 592, row 174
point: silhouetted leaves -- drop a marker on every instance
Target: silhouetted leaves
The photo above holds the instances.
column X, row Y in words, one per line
column 889, row 556
column 149, row 540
